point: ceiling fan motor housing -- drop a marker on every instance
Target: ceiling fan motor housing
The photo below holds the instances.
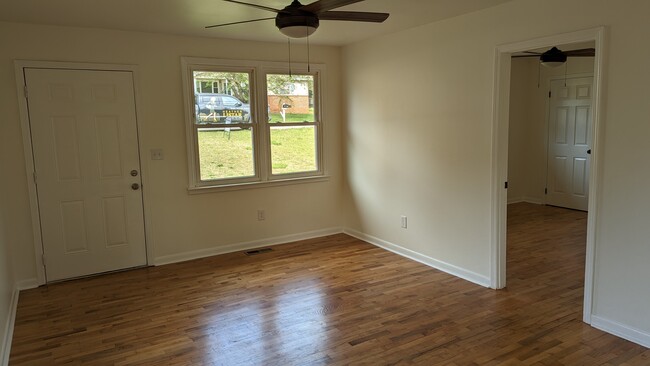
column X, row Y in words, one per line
column 553, row 55
column 297, row 18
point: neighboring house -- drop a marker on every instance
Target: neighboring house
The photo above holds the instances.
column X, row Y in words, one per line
column 207, row 84
column 294, row 99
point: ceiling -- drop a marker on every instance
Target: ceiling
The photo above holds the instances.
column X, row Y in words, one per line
column 188, row 17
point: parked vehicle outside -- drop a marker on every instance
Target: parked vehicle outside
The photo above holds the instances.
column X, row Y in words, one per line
column 220, row 108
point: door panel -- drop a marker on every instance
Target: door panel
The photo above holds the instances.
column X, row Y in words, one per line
column 84, row 137
column 569, row 133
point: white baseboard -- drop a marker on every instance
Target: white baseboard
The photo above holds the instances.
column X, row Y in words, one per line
column 621, row 330
column 202, row 253
column 27, row 284
column 532, row 200
column 9, row 328
column 431, row 262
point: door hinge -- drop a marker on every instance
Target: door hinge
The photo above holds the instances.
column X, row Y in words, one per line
column 43, row 260
column 545, row 190
column 26, row 92
column 549, row 93
column 506, row 185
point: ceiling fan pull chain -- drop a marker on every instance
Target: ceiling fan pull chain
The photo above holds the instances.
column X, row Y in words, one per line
column 308, row 63
column 566, row 66
column 289, row 41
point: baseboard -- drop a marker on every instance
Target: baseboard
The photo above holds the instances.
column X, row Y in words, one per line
column 621, row 330
column 27, row 284
column 532, row 200
column 202, row 253
column 431, row 262
column 9, row 328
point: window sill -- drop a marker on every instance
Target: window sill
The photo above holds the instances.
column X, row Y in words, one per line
column 253, row 185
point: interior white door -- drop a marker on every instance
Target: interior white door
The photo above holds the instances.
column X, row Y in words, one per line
column 570, row 124
column 85, row 145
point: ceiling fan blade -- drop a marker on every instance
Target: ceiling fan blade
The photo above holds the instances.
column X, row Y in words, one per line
column 242, row 22
column 253, row 5
column 585, row 52
column 322, row 6
column 355, row 16
column 520, row 56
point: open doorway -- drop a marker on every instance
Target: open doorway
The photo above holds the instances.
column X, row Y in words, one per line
column 522, row 162
column 550, row 119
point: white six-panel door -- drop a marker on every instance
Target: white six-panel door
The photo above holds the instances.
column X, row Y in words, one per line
column 85, row 146
column 570, row 124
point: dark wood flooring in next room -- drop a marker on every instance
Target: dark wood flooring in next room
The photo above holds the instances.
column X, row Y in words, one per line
column 334, row 300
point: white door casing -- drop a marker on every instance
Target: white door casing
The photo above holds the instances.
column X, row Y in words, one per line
column 85, row 147
column 570, row 124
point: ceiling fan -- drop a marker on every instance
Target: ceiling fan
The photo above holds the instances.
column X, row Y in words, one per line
column 299, row 21
column 556, row 57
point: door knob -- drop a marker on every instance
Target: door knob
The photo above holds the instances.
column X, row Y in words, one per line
column 135, row 186
column 134, row 173
column 589, row 151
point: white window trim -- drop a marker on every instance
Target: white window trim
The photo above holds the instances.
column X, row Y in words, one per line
column 261, row 146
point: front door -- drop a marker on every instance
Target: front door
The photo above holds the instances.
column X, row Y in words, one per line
column 570, row 124
column 86, row 157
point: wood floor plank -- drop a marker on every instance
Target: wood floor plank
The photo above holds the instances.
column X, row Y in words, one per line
column 329, row 301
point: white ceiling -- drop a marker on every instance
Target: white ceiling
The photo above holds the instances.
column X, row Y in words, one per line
column 188, row 17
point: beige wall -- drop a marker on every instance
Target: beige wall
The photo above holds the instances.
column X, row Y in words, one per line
column 7, row 231
column 528, row 124
column 418, row 133
column 6, row 282
column 178, row 222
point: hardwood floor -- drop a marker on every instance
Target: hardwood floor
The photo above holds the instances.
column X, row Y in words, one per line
column 333, row 300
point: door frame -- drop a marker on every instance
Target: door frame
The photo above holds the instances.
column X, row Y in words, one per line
column 500, row 122
column 547, row 119
column 19, row 67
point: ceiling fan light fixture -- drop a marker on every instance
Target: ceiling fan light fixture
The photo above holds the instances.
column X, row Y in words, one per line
column 297, row 26
column 553, row 58
column 552, row 65
column 297, row 31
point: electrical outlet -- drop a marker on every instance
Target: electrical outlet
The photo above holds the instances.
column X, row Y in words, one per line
column 157, row 154
column 404, row 222
column 261, row 215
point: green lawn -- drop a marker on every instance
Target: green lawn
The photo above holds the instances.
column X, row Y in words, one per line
column 226, row 154
column 292, row 117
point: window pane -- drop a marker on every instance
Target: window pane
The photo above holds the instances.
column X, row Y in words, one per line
column 224, row 97
column 225, row 153
column 290, row 98
column 293, row 149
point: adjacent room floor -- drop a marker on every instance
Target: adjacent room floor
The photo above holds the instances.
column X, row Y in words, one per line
column 332, row 300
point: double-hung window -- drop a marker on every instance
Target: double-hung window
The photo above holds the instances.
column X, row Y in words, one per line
column 261, row 125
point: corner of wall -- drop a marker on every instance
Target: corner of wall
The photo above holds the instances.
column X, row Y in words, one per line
column 621, row 330
column 418, row 257
column 8, row 331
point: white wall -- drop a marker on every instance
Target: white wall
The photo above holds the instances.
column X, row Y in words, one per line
column 418, row 139
column 179, row 222
column 528, row 124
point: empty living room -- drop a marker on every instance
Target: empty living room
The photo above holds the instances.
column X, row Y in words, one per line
column 324, row 182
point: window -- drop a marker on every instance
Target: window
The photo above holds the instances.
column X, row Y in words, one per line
column 292, row 123
column 251, row 123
